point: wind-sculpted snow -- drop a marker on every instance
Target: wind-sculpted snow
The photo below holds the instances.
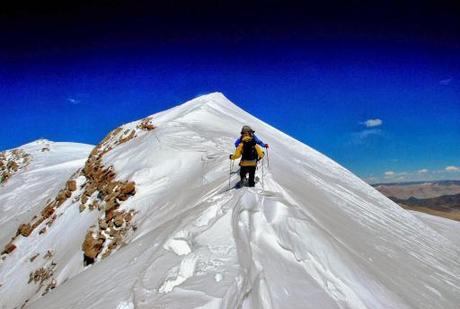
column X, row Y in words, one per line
column 309, row 235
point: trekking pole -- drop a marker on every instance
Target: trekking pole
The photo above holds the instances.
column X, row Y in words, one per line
column 230, row 173
column 268, row 159
column 263, row 188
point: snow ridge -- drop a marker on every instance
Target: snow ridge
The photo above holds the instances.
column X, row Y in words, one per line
column 309, row 235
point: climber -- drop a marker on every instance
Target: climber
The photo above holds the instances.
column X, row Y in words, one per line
column 250, row 154
column 247, row 129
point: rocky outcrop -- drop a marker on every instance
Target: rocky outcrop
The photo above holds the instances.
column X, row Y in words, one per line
column 11, row 162
column 44, row 277
column 146, row 124
column 92, row 246
column 47, row 215
column 10, row 247
column 25, row 229
column 94, row 188
column 102, row 191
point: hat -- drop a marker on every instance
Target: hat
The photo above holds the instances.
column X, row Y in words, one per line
column 246, row 129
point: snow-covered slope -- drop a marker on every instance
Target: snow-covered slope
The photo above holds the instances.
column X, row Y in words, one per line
column 153, row 208
column 48, row 167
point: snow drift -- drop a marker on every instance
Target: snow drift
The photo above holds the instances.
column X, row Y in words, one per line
column 309, row 235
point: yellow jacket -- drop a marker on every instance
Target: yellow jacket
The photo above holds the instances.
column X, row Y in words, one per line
column 238, row 152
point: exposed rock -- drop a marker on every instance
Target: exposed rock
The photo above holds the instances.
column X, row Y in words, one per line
column 71, row 185
column 11, row 162
column 103, row 224
column 47, row 211
column 43, row 230
column 34, row 257
column 10, row 247
column 25, row 229
column 12, row 166
column 49, row 254
column 118, row 220
column 146, row 124
column 129, row 137
column 93, row 246
column 128, row 188
column 84, row 199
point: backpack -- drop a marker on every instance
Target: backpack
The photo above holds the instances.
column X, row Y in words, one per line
column 249, row 152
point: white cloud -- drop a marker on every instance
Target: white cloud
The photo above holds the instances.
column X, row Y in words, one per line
column 362, row 136
column 452, row 168
column 422, row 171
column 445, row 82
column 389, row 173
column 370, row 123
column 367, row 133
column 73, row 100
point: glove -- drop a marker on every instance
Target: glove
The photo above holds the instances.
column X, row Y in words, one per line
column 230, row 157
column 266, row 146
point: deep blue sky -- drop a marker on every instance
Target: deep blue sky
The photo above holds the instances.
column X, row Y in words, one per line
column 318, row 73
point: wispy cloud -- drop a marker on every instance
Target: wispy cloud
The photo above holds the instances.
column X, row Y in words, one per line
column 452, row 168
column 445, row 82
column 422, row 171
column 395, row 175
column 73, row 100
column 361, row 136
column 371, row 123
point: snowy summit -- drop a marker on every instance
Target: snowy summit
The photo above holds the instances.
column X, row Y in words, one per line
column 149, row 219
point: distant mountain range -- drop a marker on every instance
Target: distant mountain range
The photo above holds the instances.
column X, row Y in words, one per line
column 441, row 198
column 420, row 189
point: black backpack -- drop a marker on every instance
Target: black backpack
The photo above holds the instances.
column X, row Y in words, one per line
column 249, row 152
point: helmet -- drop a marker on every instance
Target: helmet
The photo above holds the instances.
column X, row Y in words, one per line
column 247, row 129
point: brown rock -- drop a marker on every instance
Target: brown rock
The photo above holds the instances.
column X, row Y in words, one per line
column 123, row 197
column 13, row 166
column 34, row 257
column 25, row 229
column 6, row 175
column 103, row 225
column 111, row 204
column 93, row 246
column 128, row 216
column 67, row 194
column 37, row 222
column 114, row 233
column 127, row 138
column 82, row 207
column 118, row 220
column 128, row 188
column 71, row 185
column 49, row 254
column 84, row 199
column 47, row 211
column 61, row 197
column 109, row 215
column 10, row 247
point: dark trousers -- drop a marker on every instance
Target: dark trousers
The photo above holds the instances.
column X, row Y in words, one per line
column 251, row 170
